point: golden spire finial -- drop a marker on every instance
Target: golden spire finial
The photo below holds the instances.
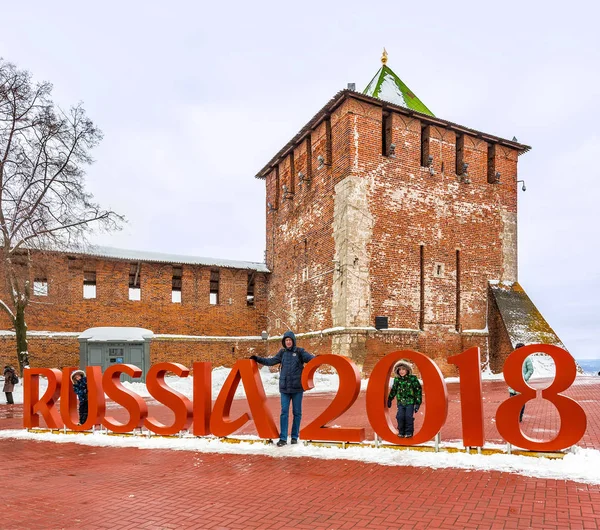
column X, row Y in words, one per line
column 384, row 57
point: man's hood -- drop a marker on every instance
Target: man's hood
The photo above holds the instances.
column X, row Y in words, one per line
column 291, row 335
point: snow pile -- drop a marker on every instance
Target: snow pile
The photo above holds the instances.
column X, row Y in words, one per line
column 581, row 465
column 543, row 366
column 324, row 383
column 120, row 334
column 270, row 380
column 389, row 91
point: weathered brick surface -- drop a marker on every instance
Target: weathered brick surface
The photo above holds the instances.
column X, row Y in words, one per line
column 57, row 352
column 65, row 309
column 300, row 246
column 44, row 352
column 499, row 340
column 221, row 353
column 348, row 248
column 364, row 235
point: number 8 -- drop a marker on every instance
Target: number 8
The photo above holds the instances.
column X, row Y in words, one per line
column 573, row 421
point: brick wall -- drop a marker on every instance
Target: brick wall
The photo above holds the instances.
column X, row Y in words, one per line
column 219, row 353
column 499, row 340
column 364, row 235
column 45, row 352
column 366, row 222
column 57, row 351
column 300, row 246
column 65, row 309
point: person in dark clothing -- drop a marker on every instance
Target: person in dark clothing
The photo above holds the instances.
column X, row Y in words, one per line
column 527, row 373
column 9, row 384
column 409, row 394
column 292, row 361
column 80, row 387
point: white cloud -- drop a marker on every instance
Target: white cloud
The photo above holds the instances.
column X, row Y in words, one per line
column 192, row 107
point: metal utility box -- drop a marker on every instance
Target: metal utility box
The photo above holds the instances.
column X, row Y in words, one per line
column 115, row 345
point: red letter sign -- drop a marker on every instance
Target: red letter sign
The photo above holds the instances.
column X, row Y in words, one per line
column 434, row 389
column 471, row 401
column 33, row 405
column 346, row 396
column 96, row 401
column 202, row 398
column 573, row 421
column 134, row 404
column 246, row 371
column 178, row 403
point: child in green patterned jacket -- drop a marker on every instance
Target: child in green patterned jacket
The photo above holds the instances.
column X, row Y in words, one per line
column 407, row 391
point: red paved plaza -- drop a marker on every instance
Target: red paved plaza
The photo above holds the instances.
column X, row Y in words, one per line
column 76, row 486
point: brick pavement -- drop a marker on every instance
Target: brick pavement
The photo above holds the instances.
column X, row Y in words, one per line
column 75, row 486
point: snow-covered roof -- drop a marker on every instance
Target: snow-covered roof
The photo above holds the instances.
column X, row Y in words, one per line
column 522, row 319
column 387, row 86
column 117, row 334
column 159, row 257
column 407, row 106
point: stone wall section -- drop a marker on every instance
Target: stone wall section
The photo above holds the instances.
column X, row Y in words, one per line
column 388, row 211
column 353, row 232
column 300, row 241
column 59, row 351
column 65, row 308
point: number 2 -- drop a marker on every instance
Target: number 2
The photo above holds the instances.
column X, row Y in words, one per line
column 346, row 396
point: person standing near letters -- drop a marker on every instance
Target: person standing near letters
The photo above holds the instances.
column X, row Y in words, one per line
column 292, row 360
column 527, row 373
column 9, row 383
column 409, row 394
column 80, row 387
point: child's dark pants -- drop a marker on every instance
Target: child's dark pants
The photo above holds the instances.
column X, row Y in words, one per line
column 513, row 394
column 83, row 411
column 406, row 420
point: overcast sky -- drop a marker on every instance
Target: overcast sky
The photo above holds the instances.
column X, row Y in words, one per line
column 195, row 97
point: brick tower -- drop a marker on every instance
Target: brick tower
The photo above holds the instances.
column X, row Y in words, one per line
column 389, row 228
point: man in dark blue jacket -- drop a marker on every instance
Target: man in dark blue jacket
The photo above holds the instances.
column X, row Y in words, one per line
column 292, row 361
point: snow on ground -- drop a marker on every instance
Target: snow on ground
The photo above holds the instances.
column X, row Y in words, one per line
column 543, row 368
column 323, row 383
column 580, row 465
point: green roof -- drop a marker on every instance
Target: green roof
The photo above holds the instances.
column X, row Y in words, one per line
column 387, row 86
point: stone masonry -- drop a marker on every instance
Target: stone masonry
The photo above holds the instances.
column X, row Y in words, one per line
column 374, row 209
column 356, row 231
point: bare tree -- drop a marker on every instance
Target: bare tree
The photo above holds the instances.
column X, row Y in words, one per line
column 43, row 203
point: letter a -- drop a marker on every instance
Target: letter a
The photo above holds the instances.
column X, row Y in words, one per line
column 246, row 371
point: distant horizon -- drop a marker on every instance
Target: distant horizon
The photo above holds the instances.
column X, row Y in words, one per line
column 589, row 366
